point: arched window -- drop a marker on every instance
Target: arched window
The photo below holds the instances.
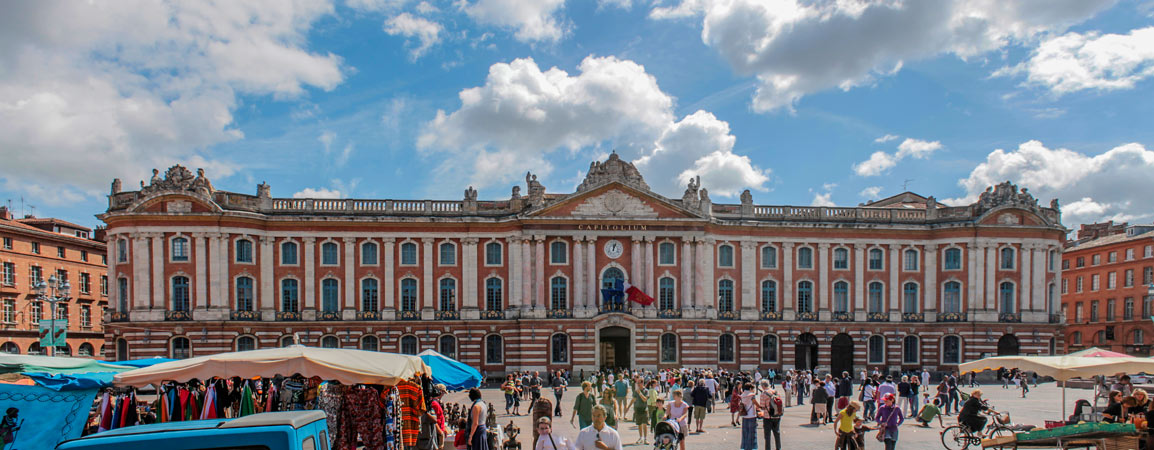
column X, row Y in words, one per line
column 243, row 251
column 290, row 300
column 287, row 340
column 10, row 348
column 288, row 253
column 876, row 297
column 665, row 290
column 1076, row 338
column 769, row 296
column 1139, row 339
column 1007, row 300
column 448, row 294
column 805, row 296
column 330, row 295
column 877, row 350
column 876, row 259
column 910, row 297
column 245, row 343
column 910, row 260
column 370, row 343
column 447, row 345
column 408, row 254
column 122, row 294
column 910, row 353
column 180, row 298
column 666, row 254
column 87, row 350
column 559, row 350
column 494, row 349
column 370, row 295
column 121, row 350
column 179, row 249
column 330, row 254
column 330, row 342
column 840, row 259
column 725, row 346
column 35, row 349
column 952, row 300
column 953, row 259
column 244, row 294
column 559, row 293
column 841, row 297
column 494, row 294
column 769, row 348
column 951, row 350
column 179, row 348
column 768, row 257
column 558, row 252
column 448, row 254
column 669, row 348
column 493, row 255
column 805, row 258
column 369, row 253
column 725, row 255
column 1007, row 262
column 408, row 294
column 725, row 295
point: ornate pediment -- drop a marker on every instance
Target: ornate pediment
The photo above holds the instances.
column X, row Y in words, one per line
column 613, row 203
column 613, row 169
column 176, row 178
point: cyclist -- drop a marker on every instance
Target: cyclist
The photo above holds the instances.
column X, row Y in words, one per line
column 971, row 414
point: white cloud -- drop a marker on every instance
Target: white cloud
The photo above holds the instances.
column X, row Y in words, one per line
column 426, row 8
column 425, row 31
column 822, row 199
column 338, row 157
column 533, row 20
column 796, row 47
column 886, row 138
column 522, row 114
column 1089, row 61
column 376, row 5
column 879, row 162
column 1110, row 185
column 871, row 192
column 98, row 90
column 623, row 4
column 318, row 193
column 917, row 148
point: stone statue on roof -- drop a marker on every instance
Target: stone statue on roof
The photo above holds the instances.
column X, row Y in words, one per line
column 613, row 169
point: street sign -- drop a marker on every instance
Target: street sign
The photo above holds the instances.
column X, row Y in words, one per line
column 53, row 333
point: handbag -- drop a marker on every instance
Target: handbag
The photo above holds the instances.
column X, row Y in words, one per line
column 882, row 432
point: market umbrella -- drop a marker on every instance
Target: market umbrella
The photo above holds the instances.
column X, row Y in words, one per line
column 1095, row 352
column 55, row 365
column 455, row 375
column 344, row 365
column 1063, row 367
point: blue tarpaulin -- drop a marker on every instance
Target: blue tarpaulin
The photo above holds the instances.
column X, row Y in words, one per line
column 455, row 375
column 72, row 382
column 138, row 363
column 47, row 417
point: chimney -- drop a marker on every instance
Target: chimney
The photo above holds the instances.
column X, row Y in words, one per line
column 5, row 214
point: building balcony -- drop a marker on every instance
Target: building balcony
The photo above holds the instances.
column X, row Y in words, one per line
column 288, row 316
column 728, row 315
column 952, row 317
column 770, row 315
column 329, row 316
column 448, row 315
column 807, row 316
column 175, row 316
column 244, row 315
column 368, row 315
column 493, row 315
column 841, row 317
column 877, row 317
column 408, row 315
column 913, row 317
column 1057, row 318
column 558, row 314
column 117, row 316
column 1009, row 317
column 669, row 314
column 606, row 308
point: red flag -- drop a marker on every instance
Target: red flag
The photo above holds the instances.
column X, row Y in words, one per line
column 635, row 295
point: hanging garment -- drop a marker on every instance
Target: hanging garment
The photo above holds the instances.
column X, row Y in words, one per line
column 412, row 406
column 391, row 418
column 330, row 397
column 209, row 409
column 105, row 412
column 131, row 417
column 116, row 411
column 271, row 398
column 246, row 402
column 361, row 415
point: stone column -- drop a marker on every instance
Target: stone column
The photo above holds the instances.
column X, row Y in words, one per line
column 427, row 305
column 513, row 245
column 708, row 288
column 699, row 299
column 685, row 294
column 748, row 277
column 389, row 286
column 930, row 289
column 198, row 244
column 895, row 285
column 823, row 288
column 350, row 276
column 1040, row 258
column 1024, row 297
column 591, row 272
column 991, row 282
column 266, row 275
column 309, row 285
column 469, row 271
column 635, row 276
column 215, row 259
column 220, row 277
column 539, row 273
column 859, row 298
column 578, row 273
column 975, row 255
column 526, row 273
column 785, row 291
column 141, row 276
column 649, row 268
column 158, row 282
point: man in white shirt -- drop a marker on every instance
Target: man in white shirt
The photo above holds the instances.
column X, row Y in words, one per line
column 547, row 440
column 926, row 379
column 599, row 436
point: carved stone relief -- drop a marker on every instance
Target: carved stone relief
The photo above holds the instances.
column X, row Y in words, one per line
column 614, row 204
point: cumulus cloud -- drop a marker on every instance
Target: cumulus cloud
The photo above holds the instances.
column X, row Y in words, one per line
column 426, row 32
column 1089, row 61
column 1112, row 185
column 886, row 138
column 112, row 89
column 871, row 192
column 797, row 47
column 318, row 193
column 822, row 198
column 521, row 114
column 533, row 20
column 879, row 162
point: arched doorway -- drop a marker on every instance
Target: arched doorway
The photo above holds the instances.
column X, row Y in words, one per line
column 841, row 355
column 806, row 348
column 1008, row 345
column 610, row 278
column 614, row 343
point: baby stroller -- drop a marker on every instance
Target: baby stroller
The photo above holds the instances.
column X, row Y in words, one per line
column 666, row 433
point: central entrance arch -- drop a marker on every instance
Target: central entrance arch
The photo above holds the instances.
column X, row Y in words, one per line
column 614, row 343
column 841, row 354
column 1008, row 345
column 806, row 352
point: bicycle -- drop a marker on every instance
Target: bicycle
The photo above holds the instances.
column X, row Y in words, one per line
column 960, row 437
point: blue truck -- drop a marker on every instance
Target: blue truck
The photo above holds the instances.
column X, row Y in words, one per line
column 288, row 430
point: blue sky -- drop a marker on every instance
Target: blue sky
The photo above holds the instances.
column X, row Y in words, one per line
column 803, row 102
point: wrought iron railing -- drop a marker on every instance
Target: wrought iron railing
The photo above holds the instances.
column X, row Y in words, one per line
column 329, row 315
column 913, row 317
column 669, row 313
column 614, row 308
column 559, row 314
column 1009, row 317
column 877, row 317
column 368, row 315
column 245, row 315
column 770, row 315
column 493, row 315
column 728, row 315
column 842, row 317
column 952, row 317
column 177, row 315
column 117, row 316
column 408, row 315
column 807, row 316
column 288, row 316
column 448, row 315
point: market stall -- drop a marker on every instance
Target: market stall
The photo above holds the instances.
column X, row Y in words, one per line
column 455, row 375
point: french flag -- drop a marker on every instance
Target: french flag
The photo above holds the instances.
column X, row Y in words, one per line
column 635, row 295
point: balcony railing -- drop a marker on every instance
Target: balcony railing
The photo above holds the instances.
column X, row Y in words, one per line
column 408, row 315
column 606, row 308
column 493, row 315
column 288, row 316
column 1057, row 318
column 368, row 315
column 559, row 314
column 1009, row 317
column 728, row 315
column 842, row 317
column 952, row 317
column 329, row 315
column 448, row 315
column 807, row 316
column 877, row 317
column 245, row 315
column 770, row 315
column 913, row 317
column 177, row 315
column 117, row 316
column 669, row 313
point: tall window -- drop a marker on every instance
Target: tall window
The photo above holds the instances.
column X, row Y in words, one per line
column 951, row 350
column 668, row 348
column 769, row 348
column 1128, row 279
column 725, row 347
column 768, row 257
column 952, row 298
column 840, row 259
column 448, row 294
column 244, row 294
column 876, row 299
column 1139, row 338
column 559, row 293
column 122, row 250
column 1148, row 275
column 725, row 296
column 493, row 255
column 725, row 255
column 559, row 348
column 910, row 260
column 910, row 297
column 86, row 316
column 558, row 252
column 448, row 254
column 409, row 254
column 1128, row 311
column 1110, row 307
column 1007, row 262
column 180, row 348
column 8, row 313
column 666, row 254
column 288, row 253
column 9, row 275
column 769, row 296
column 243, row 251
column 665, row 290
column 369, row 253
column 179, row 249
column 1094, row 311
column 805, row 296
column 953, row 259
column 85, row 283
column 370, row 295
column 876, row 259
column 104, row 285
column 877, row 350
column 180, row 298
column 447, row 345
column 910, row 352
column 330, row 295
column 330, row 342
column 408, row 345
column 370, row 343
column 36, row 313
column 494, row 298
column 290, row 300
column 408, row 294
column 1007, row 300
column 329, row 253
column 494, row 349
column 805, row 258
column 245, row 343
column 841, row 297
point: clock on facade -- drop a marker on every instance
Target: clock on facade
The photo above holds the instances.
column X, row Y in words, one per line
column 613, row 249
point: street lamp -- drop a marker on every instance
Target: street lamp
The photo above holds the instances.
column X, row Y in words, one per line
column 60, row 291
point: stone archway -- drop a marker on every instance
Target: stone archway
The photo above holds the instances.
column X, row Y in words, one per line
column 805, row 352
column 1008, row 345
column 615, row 347
column 841, row 354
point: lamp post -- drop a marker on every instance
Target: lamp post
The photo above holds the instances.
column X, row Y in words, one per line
column 60, row 290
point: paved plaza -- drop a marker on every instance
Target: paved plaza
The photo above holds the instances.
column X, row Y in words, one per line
column 1042, row 403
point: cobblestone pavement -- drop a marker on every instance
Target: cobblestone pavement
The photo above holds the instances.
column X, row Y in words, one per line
column 1042, row 403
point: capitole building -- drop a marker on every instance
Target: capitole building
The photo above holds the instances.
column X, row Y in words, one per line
column 516, row 284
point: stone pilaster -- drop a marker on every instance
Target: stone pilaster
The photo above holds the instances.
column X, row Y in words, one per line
column 469, row 297
column 516, row 291
column 578, row 281
column 389, row 286
column 823, row 288
column 895, row 288
column 1025, row 287
column 350, row 287
column 308, row 286
column 859, row 300
column 649, row 267
column 685, row 294
column 267, row 294
column 427, row 292
column 539, row 272
column 930, row 290
column 785, row 291
column 141, row 275
column 158, row 282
